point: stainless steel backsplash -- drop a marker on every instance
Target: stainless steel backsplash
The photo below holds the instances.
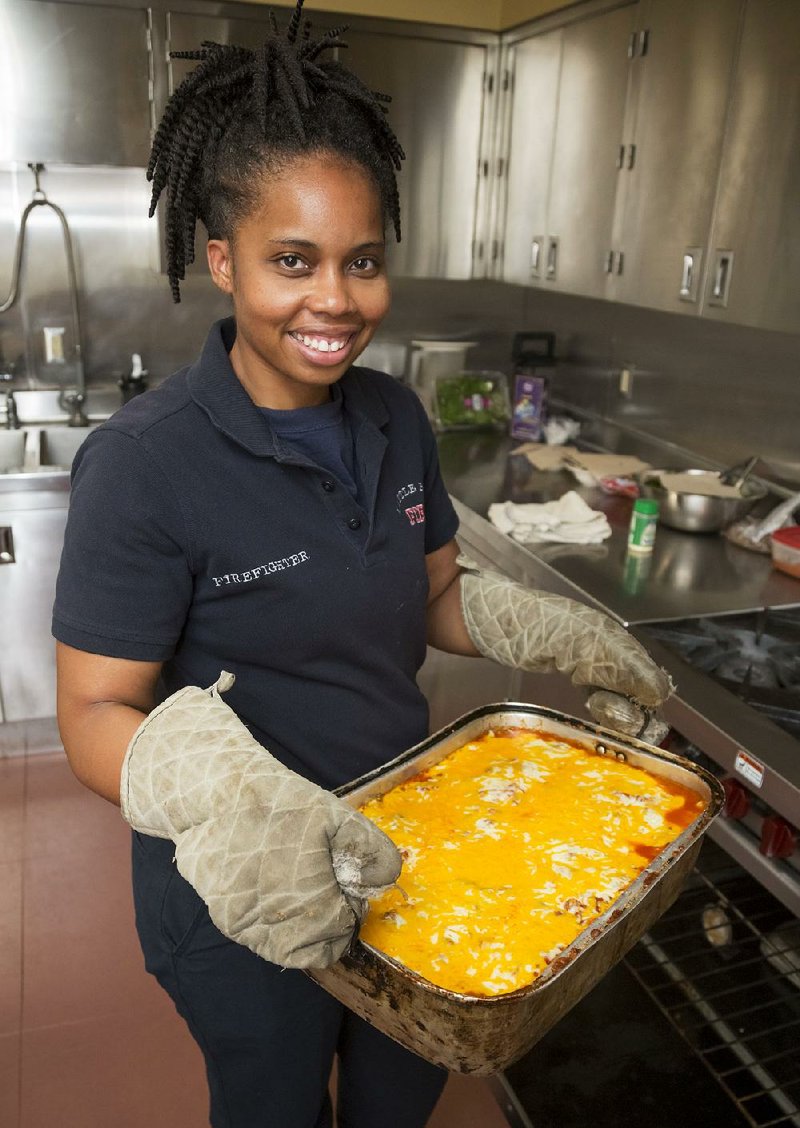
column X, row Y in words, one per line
column 724, row 391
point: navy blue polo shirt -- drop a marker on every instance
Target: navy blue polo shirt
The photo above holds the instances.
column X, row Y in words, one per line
column 200, row 538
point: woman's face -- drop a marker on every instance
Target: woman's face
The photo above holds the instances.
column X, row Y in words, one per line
column 306, row 271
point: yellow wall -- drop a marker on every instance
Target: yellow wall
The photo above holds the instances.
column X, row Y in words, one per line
column 487, row 15
column 515, row 12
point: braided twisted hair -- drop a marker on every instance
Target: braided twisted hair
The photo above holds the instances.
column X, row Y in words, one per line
column 242, row 114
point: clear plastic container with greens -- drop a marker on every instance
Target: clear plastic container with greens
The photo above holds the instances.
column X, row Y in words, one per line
column 465, row 401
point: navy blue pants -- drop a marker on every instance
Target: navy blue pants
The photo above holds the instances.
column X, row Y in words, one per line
column 268, row 1035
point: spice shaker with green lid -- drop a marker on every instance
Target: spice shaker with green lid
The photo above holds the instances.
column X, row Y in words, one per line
column 644, row 518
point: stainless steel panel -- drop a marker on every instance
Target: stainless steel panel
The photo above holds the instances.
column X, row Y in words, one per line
column 684, row 83
column 757, row 214
column 536, row 66
column 437, row 113
column 585, row 175
column 27, row 589
column 116, row 251
column 75, row 83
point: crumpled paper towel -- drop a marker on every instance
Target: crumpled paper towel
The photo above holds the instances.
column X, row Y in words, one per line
column 569, row 520
column 589, row 467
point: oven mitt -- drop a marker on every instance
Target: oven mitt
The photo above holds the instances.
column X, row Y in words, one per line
column 541, row 632
column 284, row 867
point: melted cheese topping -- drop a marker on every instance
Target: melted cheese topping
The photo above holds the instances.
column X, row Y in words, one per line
column 511, row 846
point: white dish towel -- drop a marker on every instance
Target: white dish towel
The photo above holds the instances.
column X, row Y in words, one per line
column 569, row 521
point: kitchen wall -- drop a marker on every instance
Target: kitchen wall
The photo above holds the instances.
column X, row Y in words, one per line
column 724, row 391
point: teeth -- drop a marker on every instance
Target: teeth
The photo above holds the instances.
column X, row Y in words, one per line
column 320, row 344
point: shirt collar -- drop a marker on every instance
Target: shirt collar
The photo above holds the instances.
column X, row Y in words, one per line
column 214, row 387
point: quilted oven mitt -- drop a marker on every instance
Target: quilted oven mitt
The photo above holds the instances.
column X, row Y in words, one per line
column 537, row 631
column 284, row 866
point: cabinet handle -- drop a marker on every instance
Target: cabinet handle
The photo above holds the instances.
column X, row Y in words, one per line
column 690, row 274
column 6, row 545
column 723, row 268
column 609, row 266
column 552, row 258
column 537, row 242
column 621, row 157
column 644, row 41
column 631, row 156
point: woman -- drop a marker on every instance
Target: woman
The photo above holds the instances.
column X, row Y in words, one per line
column 273, row 511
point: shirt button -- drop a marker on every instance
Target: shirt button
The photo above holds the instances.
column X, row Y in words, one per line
column 354, row 523
column 327, row 485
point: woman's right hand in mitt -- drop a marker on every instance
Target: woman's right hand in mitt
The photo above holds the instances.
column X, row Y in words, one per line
column 284, row 866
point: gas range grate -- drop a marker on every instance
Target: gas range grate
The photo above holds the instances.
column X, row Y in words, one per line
column 723, row 965
column 756, row 656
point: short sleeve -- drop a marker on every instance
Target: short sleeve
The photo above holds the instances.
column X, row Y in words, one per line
column 125, row 582
column 441, row 520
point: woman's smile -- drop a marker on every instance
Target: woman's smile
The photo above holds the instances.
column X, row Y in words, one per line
column 306, row 272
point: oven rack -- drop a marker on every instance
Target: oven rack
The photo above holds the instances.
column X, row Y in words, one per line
column 723, row 966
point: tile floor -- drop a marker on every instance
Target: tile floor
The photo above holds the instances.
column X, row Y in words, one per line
column 87, row 1039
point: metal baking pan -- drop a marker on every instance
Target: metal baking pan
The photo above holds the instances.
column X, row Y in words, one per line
column 483, row 1035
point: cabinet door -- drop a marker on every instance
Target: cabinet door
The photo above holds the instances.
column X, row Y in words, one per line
column 436, row 112
column 536, row 65
column 684, row 85
column 758, row 218
column 586, row 157
column 27, row 589
column 75, row 81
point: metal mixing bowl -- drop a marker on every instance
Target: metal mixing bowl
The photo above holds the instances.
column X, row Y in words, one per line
column 694, row 512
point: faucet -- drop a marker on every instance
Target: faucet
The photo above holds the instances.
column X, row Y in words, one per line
column 71, row 400
column 8, row 405
column 135, row 381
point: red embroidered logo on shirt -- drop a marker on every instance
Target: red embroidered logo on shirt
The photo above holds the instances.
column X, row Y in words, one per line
column 416, row 514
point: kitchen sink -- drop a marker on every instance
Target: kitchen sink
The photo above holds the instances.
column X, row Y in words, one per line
column 12, row 450
column 59, row 445
column 36, row 450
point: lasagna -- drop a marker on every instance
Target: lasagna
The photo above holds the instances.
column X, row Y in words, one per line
column 511, row 846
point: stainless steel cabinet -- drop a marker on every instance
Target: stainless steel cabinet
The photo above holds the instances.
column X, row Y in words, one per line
column 27, row 587
column 753, row 275
column 569, row 100
column 437, row 101
column 75, row 81
column 536, row 66
column 437, row 90
column 681, row 76
column 587, row 160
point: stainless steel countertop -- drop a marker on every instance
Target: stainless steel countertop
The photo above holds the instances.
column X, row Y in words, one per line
column 687, row 575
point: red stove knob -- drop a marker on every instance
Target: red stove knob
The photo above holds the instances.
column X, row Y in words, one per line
column 778, row 838
column 737, row 799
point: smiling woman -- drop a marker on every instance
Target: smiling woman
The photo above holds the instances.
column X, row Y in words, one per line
column 275, row 511
column 252, row 523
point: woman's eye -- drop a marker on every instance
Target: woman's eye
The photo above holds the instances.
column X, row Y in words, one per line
column 366, row 265
column 291, row 262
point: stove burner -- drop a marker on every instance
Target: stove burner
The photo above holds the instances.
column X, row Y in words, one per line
column 756, row 656
column 736, row 654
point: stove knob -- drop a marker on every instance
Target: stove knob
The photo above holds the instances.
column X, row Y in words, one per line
column 778, row 838
column 737, row 799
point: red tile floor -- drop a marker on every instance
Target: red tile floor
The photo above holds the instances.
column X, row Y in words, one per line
column 87, row 1039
